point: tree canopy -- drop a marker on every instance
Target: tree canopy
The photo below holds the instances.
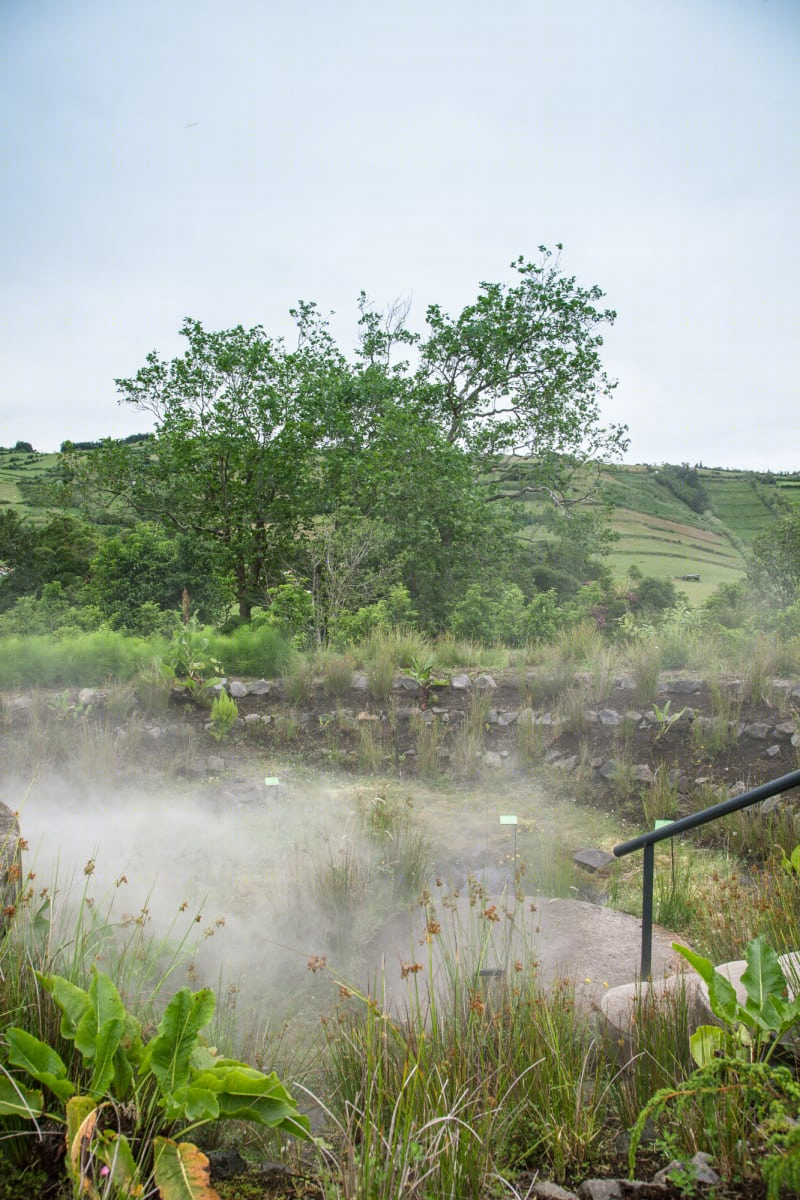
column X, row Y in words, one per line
column 421, row 433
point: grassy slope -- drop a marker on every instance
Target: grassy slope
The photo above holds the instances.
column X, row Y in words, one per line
column 20, row 475
column 658, row 533
column 663, row 537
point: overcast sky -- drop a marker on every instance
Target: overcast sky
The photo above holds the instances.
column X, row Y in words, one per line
column 163, row 160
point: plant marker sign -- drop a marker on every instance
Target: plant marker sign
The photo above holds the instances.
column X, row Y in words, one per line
column 510, row 819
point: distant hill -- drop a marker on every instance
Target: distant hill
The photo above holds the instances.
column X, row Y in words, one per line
column 663, row 536
column 671, row 521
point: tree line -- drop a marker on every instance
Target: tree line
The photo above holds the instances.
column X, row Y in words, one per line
column 437, row 472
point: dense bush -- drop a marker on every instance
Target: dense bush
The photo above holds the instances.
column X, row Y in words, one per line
column 143, row 569
column 685, row 483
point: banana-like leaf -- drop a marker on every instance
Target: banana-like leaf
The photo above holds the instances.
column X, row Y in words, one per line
column 71, row 999
column 105, row 1009
column 123, row 1074
column 721, row 992
column 169, row 1053
column 245, row 1094
column 18, row 1101
column 763, row 980
column 40, row 1061
column 106, row 1045
column 181, row 1171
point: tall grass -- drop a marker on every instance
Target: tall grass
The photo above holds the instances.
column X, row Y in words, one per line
column 259, row 652
column 480, row 1077
column 336, row 670
column 552, row 676
column 85, row 660
column 452, row 652
column 469, row 740
column 718, row 732
column 645, row 662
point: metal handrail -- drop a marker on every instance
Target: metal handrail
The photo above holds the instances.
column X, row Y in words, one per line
column 646, row 842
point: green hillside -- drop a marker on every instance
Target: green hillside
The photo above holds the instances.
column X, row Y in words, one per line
column 745, row 504
column 659, row 532
column 26, row 481
column 663, row 536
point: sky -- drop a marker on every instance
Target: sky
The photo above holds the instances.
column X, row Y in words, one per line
column 165, row 160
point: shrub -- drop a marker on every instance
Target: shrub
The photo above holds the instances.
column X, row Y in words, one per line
column 291, row 612
column 541, row 617
column 396, row 609
column 85, row 659
column 224, row 713
column 475, row 615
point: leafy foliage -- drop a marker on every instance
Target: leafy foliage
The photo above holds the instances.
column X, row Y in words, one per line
column 149, row 1088
column 774, row 569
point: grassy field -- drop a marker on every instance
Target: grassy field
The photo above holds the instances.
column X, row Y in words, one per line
column 23, row 477
column 743, row 504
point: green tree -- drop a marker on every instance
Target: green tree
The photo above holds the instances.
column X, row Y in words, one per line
column 237, row 421
column 774, row 568
column 145, row 565
column 518, row 374
column 35, row 555
column 252, row 442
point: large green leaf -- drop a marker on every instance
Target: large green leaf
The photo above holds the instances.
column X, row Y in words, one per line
column 703, row 966
column 181, row 1171
column 71, row 999
column 169, row 1053
column 708, row 1042
column 105, row 1009
column 191, row 1103
column 764, row 981
column 39, row 1060
column 722, row 997
column 123, row 1074
column 105, row 1056
column 721, row 992
column 245, row 1094
column 18, row 1101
